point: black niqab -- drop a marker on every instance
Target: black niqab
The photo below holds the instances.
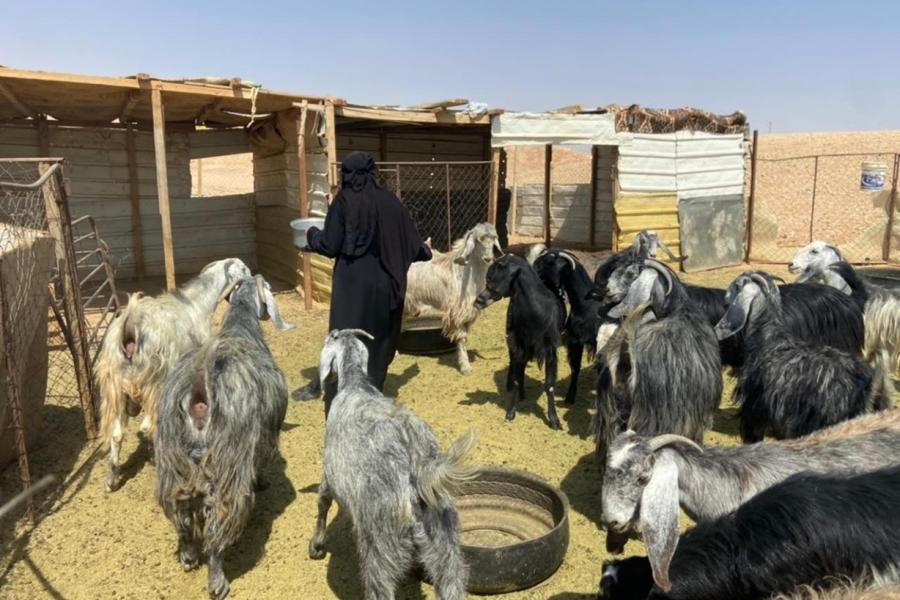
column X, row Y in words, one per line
column 371, row 212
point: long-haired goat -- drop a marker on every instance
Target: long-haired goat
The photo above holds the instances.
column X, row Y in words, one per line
column 665, row 355
column 647, row 479
column 142, row 345
column 382, row 464
column 219, row 418
column 535, row 319
column 881, row 305
column 449, row 283
column 811, row 529
column 787, row 385
column 561, row 271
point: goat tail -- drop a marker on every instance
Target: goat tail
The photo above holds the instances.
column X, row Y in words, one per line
column 880, row 390
column 438, row 476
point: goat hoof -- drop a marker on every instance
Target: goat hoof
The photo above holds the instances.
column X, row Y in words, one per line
column 465, row 370
column 112, row 482
column 218, row 589
column 316, row 552
column 188, row 562
column 555, row 424
column 511, row 415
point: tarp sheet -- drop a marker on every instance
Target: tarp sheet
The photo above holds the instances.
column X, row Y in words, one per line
column 538, row 129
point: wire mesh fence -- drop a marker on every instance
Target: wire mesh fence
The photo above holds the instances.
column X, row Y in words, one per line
column 445, row 199
column 45, row 336
column 797, row 200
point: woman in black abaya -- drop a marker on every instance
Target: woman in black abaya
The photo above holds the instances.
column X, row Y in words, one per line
column 373, row 240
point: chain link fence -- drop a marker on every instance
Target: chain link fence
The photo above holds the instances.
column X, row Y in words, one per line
column 800, row 199
column 222, row 175
column 445, row 199
column 47, row 265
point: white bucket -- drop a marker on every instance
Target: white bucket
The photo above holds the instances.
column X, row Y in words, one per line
column 873, row 177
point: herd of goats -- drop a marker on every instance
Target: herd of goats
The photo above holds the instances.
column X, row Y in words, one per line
column 814, row 362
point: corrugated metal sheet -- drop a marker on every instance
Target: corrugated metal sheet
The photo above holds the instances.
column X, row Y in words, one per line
column 709, row 165
column 648, row 164
column 648, row 211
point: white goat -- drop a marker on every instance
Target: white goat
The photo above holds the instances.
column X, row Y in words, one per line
column 143, row 344
column 449, row 282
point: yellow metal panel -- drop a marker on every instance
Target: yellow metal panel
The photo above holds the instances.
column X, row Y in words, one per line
column 659, row 212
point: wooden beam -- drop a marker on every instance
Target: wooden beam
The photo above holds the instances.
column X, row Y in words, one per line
column 411, row 116
column 592, row 217
column 514, row 209
column 162, row 183
column 303, row 198
column 132, row 97
column 17, row 104
column 43, row 135
column 382, row 145
column 495, row 186
column 548, row 161
column 209, row 110
column 143, row 82
column 331, row 145
column 440, row 105
column 137, row 228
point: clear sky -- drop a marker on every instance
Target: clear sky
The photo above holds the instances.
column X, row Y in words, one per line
column 802, row 65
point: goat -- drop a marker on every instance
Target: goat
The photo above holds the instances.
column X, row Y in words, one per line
column 881, row 305
column 219, row 418
column 665, row 357
column 142, row 346
column 648, row 479
column 807, row 530
column 788, row 385
column 382, row 464
column 535, row 319
column 449, row 283
column 562, row 273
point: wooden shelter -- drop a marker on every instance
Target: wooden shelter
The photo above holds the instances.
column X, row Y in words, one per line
column 129, row 141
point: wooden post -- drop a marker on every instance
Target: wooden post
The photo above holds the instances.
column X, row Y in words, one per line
column 495, row 185
column 199, row 176
column 162, row 183
column 592, row 217
column 892, row 208
column 43, row 135
column 514, row 208
column 449, row 221
column 331, row 145
column 303, row 197
column 752, row 199
column 137, row 228
column 59, row 224
column 548, row 161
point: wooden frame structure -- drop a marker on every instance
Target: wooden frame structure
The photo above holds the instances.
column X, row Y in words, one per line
column 139, row 103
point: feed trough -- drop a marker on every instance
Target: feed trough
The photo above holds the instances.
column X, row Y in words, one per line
column 515, row 530
column 423, row 335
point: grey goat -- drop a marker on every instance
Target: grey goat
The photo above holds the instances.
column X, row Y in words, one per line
column 648, row 478
column 219, row 418
column 382, row 464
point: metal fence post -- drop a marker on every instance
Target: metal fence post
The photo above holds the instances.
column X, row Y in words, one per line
column 812, row 209
column 449, row 222
column 752, row 199
column 892, row 208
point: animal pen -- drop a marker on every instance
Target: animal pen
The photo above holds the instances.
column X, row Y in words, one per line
column 603, row 175
column 116, row 203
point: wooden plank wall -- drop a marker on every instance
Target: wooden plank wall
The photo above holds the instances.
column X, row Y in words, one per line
column 204, row 229
column 275, row 181
column 401, row 145
column 570, row 207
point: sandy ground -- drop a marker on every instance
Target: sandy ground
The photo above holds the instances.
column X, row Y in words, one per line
column 90, row 544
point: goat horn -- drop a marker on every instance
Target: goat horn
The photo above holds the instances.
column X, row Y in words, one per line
column 568, row 257
column 762, row 278
column 662, row 269
column 228, row 289
column 777, row 278
column 667, row 439
column 360, row 332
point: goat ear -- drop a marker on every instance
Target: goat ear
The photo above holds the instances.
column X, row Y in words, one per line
column 735, row 319
column 271, row 308
column 659, row 517
column 640, row 292
column 468, row 248
column 327, row 358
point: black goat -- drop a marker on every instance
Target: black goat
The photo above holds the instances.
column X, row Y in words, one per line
column 534, row 323
column 561, row 272
column 787, row 384
column 808, row 530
